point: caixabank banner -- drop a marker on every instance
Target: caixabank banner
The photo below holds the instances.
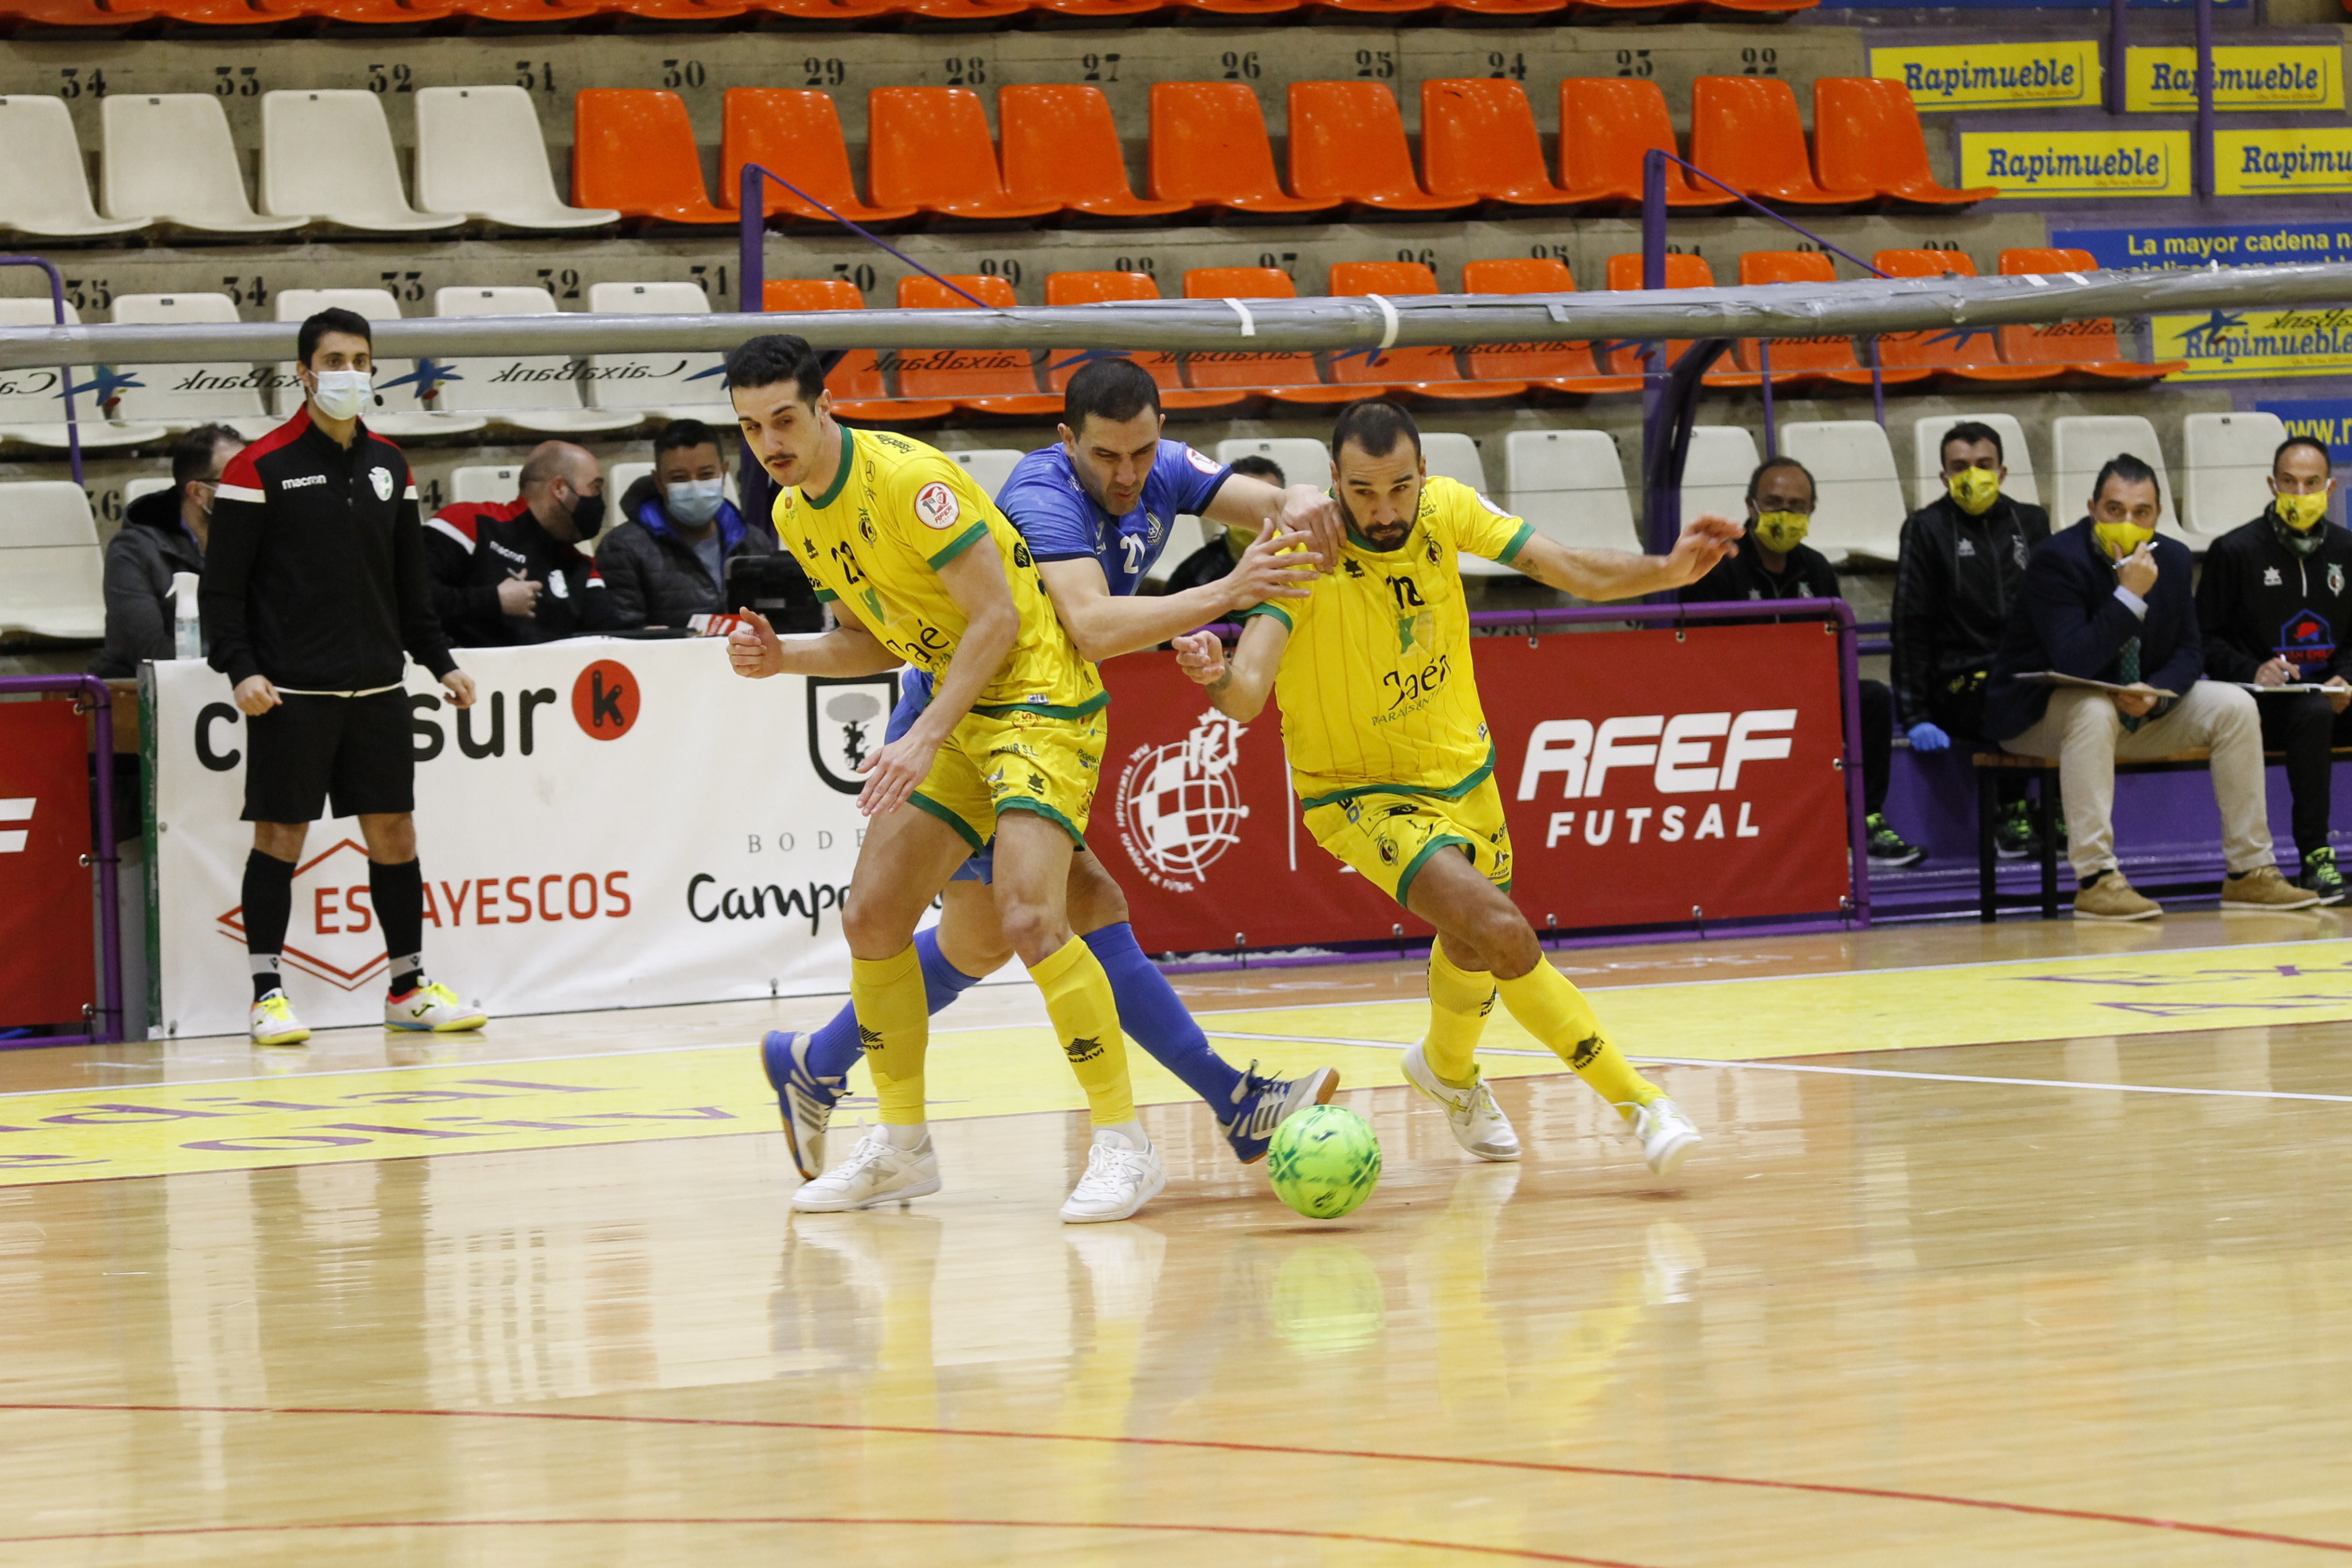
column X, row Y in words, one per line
column 1649, row 777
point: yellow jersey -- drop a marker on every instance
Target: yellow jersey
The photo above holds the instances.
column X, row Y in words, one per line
column 1375, row 685
column 874, row 542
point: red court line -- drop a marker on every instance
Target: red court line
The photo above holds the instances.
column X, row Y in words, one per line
column 1522, row 1553
column 2142, row 1521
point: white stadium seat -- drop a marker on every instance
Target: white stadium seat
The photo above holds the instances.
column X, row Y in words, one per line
column 1303, row 461
column 183, row 396
column 479, row 151
column 44, row 188
column 671, row 384
column 1715, row 471
column 399, row 412
column 493, row 482
column 1454, row 456
column 167, row 160
column 989, row 466
column 31, row 411
column 538, row 394
column 137, row 489
column 2228, row 460
column 328, row 157
column 2080, row 445
column 1571, row 485
column 51, row 571
column 1858, row 509
column 1928, row 456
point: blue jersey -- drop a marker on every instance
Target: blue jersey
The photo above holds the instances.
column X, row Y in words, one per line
column 1062, row 522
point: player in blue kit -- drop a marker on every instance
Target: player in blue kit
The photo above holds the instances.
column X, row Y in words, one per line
column 1094, row 510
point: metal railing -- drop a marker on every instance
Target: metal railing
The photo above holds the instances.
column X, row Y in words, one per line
column 65, row 368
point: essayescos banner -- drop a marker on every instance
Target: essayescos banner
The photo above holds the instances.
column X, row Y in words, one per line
column 1648, row 778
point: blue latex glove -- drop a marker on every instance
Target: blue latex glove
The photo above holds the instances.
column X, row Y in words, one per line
column 1927, row 738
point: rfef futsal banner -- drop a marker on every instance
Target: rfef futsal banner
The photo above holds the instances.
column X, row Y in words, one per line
column 47, row 969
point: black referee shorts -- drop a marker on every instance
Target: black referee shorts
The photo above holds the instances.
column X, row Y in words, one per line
column 356, row 750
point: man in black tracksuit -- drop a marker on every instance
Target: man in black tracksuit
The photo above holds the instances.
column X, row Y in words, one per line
column 510, row 573
column 1955, row 581
column 162, row 535
column 2275, row 610
column 1774, row 562
column 314, row 595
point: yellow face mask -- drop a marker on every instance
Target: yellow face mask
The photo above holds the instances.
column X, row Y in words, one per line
column 2302, row 513
column 2119, row 540
column 1974, row 490
column 1781, row 532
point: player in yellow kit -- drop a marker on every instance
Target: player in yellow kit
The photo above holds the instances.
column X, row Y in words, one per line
column 1394, row 768
column 922, row 569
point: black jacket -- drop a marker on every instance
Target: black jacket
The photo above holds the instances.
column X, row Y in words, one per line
column 2070, row 620
column 1805, row 573
column 315, row 571
column 1956, row 580
column 153, row 544
column 472, row 546
column 2259, row 600
column 654, row 576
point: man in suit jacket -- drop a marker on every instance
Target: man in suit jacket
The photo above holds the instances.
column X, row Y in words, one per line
column 2109, row 601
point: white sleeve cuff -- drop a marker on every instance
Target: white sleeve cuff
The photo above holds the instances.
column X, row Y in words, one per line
column 2132, row 602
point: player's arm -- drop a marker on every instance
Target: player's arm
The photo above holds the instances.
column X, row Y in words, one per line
column 757, row 651
column 1605, row 574
column 1242, row 502
column 1104, row 624
column 1240, row 685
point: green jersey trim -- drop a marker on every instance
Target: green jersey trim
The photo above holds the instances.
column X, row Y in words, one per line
column 958, row 545
column 840, row 475
column 1485, row 771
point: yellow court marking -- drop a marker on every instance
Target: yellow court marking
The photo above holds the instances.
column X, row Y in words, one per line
column 336, row 1117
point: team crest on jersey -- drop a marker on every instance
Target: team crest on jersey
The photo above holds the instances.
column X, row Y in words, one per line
column 866, row 527
column 381, row 478
column 845, row 722
column 1431, row 550
column 1021, row 557
column 937, row 506
column 2335, row 577
column 2271, row 578
column 1205, row 464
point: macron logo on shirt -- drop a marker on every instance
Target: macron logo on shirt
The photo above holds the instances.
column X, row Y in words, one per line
column 300, row 480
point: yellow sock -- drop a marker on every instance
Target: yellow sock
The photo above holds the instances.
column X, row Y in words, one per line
column 1459, row 1001
column 894, row 1025
column 1548, row 1008
column 1085, row 1014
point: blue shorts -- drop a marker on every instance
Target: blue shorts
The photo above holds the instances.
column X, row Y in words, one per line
column 914, row 696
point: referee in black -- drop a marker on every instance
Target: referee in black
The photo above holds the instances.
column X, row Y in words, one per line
column 315, row 595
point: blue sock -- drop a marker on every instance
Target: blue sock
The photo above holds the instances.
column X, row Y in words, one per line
column 1150, row 1011
column 834, row 1050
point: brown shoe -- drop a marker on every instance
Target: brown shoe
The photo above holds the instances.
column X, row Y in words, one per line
column 2264, row 888
column 2113, row 898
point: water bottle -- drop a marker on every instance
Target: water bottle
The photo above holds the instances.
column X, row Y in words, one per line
column 187, row 634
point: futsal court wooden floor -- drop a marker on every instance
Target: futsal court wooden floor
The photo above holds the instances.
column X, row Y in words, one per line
column 2022, row 1245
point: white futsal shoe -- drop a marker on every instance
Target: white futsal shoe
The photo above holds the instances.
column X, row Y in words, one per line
column 272, row 1022
column 432, row 1007
column 1667, row 1135
column 877, row 1171
column 1478, row 1124
column 1121, row 1178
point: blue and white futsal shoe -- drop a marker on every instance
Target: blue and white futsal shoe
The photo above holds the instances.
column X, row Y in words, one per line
column 806, row 1100
column 1262, row 1104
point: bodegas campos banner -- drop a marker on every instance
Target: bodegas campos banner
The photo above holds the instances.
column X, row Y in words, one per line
column 2045, row 163
column 2273, row 77
column 2057, row 74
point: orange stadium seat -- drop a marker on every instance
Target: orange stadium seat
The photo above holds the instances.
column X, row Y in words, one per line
column 1209, row 146
column 1478, row 139
column 928, row 146
column 1866, row 133
column 530, row 13
column 1682, row 272
column 1967, row 353
column 679, row 10
column 1347, row 144
column 829, row 10
column 1098, row 8
column 1287, row 377
column 1563, row 368
column 1745, row 131
column 1102, row 288
column 1507, row 7
column 1757, row 7
column 855, row 383
column 70, row 14
column 797, row 133
column 2088, row 347
column 962, row 10
column 1807, row 358
column 1377, row 7
column 385, row 13
column 993, row 380
column 1428, row 372
column 1606, row 125
column 1061, row 146
column 1249, row 7
column 633, row 150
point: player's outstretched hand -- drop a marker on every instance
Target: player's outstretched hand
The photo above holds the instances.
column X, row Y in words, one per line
column 1271, row 568
column 1307, row 510
column 1202, row 656
column 460, row 687
column 755, row 649
column 892, row 773
column 254, row 696
column 1705, row 542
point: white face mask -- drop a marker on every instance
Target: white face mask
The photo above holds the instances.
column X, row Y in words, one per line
column 343, row 394
column 695, row 502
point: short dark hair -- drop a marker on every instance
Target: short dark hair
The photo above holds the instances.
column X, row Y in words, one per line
column 1375, row 425
column 1756, row 480
column 1258, row 468
column 191, row 455
column 682, row 434
column 2325, row 454
column 1971, row 431
column 1113, row 391
column 334, row 318
column 773, row 357
column 2123, row 465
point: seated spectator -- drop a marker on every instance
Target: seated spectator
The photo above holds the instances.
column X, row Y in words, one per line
column 2276, row 611
column 2109, row 601
column 1956, row 577
column 1214, row 560
column 510, row 573
column 1774, row 562
column 163, row 533
column 666, row 563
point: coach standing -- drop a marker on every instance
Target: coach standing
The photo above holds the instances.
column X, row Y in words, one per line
column 314, row 584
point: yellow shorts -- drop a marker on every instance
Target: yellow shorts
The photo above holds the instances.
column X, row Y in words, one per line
column 1389, row 837
column 1014, row 761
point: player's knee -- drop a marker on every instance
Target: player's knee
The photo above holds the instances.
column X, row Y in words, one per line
column 1096, row 900
column 1033, row 929
column 1507, row 942
column 869, row 927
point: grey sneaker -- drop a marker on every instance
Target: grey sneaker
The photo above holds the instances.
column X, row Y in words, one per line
column 2113, row 898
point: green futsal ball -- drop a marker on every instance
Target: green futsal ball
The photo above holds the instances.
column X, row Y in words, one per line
column 1324, row 1162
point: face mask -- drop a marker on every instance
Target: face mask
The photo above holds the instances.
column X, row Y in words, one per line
column 587, row 515
column 695, row 502
column 2119, row 540
column 341, row 394
column 1781, row 532
column 2301, row 513
column 1974, row 490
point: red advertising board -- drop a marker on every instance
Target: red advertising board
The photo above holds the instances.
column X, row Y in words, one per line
column 47, row 971
column 1649, row 777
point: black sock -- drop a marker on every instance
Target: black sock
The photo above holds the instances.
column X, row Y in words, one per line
column 268, row 905
column 398, row 891
column 2093, row 880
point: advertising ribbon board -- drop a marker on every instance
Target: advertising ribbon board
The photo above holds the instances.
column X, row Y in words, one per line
column 2328, row 420
column 2051, row 164
column 2236, row 345
column 2134, row 249
column 2273, row 77
column 2058, row 73
column 2296, row 161
column 47, row 965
